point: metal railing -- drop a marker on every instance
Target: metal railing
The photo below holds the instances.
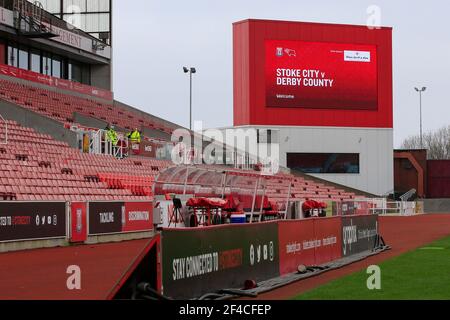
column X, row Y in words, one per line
column 99, row 143
column 3, row 120
column 408, row 195
column 382, row 206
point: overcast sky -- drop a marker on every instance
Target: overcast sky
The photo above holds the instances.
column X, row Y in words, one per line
column 153, row 40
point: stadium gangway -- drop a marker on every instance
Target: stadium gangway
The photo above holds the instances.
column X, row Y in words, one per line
column 3, row 121
column 220, row 181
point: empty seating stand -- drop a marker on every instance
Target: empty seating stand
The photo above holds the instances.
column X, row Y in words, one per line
column 61, row 107
column 301, row 189
column 304, row 189
column 35, row 167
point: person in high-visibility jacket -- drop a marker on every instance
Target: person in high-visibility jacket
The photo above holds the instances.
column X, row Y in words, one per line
column 135, row 136
column 111, row 135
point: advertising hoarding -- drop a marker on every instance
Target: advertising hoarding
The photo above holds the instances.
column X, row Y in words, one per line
column 138, row 216
column 199, row 261
column 359, row 234
column 31, row 221
column 119, row 217
column 309, row 242
column 105, row 217
column 78, row 217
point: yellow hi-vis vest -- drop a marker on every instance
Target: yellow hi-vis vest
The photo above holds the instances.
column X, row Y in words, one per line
column 112, row 136
column 135, row 137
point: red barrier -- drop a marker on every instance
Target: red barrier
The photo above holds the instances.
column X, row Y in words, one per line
column 293, row 236
column 78, row 222
column 308, row 242
column 328, row 231
column 138, row 217
column 25, row 221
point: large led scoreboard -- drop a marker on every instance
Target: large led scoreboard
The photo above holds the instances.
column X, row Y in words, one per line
column 312, row 74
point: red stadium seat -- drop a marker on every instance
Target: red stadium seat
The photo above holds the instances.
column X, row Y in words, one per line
column 66, row 174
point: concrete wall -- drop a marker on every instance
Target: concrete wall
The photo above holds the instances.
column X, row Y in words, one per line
column 89, row 121
column 101, row 76
column 148, row 132
column 437, row 205
column 53, row 243
column 375, row 147
column 120, row 237
column 38, row 122
column 29, row 245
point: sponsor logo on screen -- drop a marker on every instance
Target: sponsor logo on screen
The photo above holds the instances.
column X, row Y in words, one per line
column 290, row 52
column 357, row 56
column 280, row 52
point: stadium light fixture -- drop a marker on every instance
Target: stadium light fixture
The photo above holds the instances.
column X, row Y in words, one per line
column 420, row 91
column 191, row 71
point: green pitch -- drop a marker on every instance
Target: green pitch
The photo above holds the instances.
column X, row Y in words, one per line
column 423, row 274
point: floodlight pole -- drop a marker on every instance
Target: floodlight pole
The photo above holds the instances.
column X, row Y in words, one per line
column 421, row 126
column 190, row 100
column 420, row 91
column 191, row 71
